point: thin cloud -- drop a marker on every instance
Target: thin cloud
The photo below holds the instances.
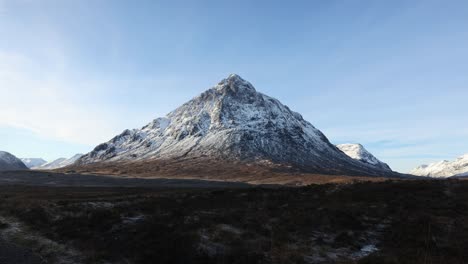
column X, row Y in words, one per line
column 45, row 103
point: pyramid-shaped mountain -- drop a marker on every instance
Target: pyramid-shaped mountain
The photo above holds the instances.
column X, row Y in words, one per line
column 228, row 125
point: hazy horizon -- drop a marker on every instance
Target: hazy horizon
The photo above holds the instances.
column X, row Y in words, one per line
column 388, row 75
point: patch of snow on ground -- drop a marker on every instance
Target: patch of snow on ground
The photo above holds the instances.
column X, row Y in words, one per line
column 17, row 233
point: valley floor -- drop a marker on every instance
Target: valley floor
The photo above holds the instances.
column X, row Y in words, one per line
column 108, row 179
column 361, row 222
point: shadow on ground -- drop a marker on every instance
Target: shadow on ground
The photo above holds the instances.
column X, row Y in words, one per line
column 365, row 222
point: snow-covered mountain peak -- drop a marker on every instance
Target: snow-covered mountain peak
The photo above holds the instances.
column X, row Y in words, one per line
column 230, row 122
column 232, row 103
column 235, row 84
column 358, row 152
column 444, row 168
column 33, row 162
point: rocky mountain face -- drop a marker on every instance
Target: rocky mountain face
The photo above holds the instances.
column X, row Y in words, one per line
column 358, row 152
column 444, row 169
column 33, row 162
column 228, row 124
column 10, row 162
column 58, row 163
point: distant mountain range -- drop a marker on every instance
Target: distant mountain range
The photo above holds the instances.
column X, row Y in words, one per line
column 444, row 169
column 230, row 127
column 58, row 163
column 33, row 162
column 10, row 162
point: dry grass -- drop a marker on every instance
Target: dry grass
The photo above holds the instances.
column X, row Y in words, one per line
column 217, row 171
column 408, row 221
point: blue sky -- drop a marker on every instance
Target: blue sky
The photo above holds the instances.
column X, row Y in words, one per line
column 391, row 75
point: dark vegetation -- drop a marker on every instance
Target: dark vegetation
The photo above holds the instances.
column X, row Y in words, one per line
column 407, row 221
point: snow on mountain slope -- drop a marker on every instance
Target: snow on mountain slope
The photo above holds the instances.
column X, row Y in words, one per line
column 51, row 164
column 59, row 163
column 358, row 152
column 231, row 122
column 10, row 162
column 33, row 162
column 444, row 169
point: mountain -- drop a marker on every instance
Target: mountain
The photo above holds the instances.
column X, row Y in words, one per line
column 10, row 162
column 444, row 169
column 59, row 163
column 228, row 127
column 33, row 162
column 358, row 152
column 55, row 164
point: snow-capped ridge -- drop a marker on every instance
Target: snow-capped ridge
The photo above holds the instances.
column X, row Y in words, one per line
column 358, row 152
column 59, row 163
column 33, row 162
column 444, row 168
